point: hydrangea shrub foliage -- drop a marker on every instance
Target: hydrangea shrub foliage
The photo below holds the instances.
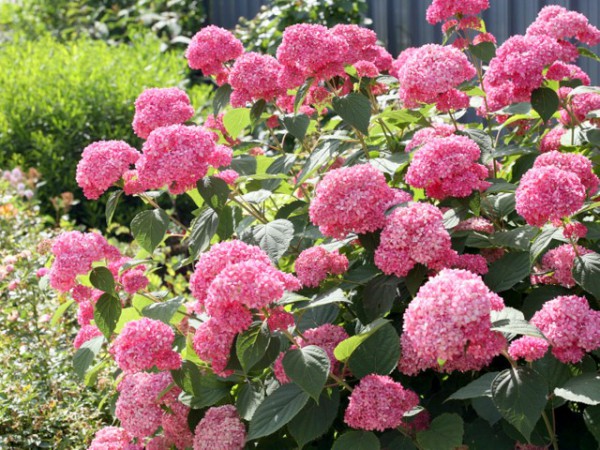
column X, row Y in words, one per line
column 367, row 268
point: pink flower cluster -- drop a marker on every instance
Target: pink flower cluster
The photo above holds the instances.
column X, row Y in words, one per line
column 314, row 264
column 254, row 77
column 112, row 438
column 578, row 108
column 143, row 344
column 352, row 200
column 86, row 333
column 557, row 266
column 102, row 164
column 562, row 24
column 220, row 428
column 379, row 403
column 74, row 252
column 571, row 327
column 560, row 71
column 441, row 10
column 528, row 348
column 447, row 326
column 211, row 48
column 551, row 140
column 574, row 163
column 414, row 235
column 430, row 74
column 160, row 107
column 447, row 167
column 424, row 135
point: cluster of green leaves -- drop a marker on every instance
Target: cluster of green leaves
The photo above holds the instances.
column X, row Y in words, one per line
column 58, row 98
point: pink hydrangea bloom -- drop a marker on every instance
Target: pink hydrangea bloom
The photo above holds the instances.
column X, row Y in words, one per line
column 580, row 105
column 551, row 140
column 86, row 333
column 366, row 69
column 102, row 164
column 447, row 326
column 143, row 344
column 548, row 193
column 85, row 313
column 427, row 72
column 221, row 428
column 254, row 77
column 138, row 406
column 559, row 71
column 571, row 162
column 280, row 319
column 528, row 348
column 484, row 37
column 414, row 235
column 452, row 100
column 447, row 167
column 314, row 264
column 478, row 224
column 212, row 342
column 473, row 263
column 74, row 252
column 312, row 51
column 559, row 263
column 379, row 403
column 351, row 200
column 571, row 327
column 278, row 369
column 81, row 293
column 158, row 443
column 327, row 337
column 210, row 48
column 134, row 280
column 131, row 183
column 42, row 272
column 178, row 156
column 440, row 10
column 110, row 438
column 258, row 151
column 160, row 107
column 575, row 230
column 228, row 176
column 424, row 135
column 175, row 425
column 216, row 259
column 560, row 23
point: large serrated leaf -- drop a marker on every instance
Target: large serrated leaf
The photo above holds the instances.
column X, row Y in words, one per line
column 545, row 102
column 202, row 229
column 315, row 418
column 274, row 237
column 308, row 367
column 444, row 433
column 149, row 228
column 481, row 387
column 586, row 272
column 508, row 271
column 107, row 311
column 84, row 356
column 583, row 389
column 354, row 109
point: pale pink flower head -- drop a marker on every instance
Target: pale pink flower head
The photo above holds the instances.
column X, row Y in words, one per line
column 212, row 343
column 159, row 443
column 379, row 403
column 366, row 69
column 160, row 107
column 548, row 193
column 571, row 327
column 351, row 200
column 134, row 280
column 571, row 162
column 178, row 156
column 143, row 344
column 528, row 348
column 102, row 164
column 85, row 313
column 473, row 263
column 414, row 235
column 229, row 176
column 86, row 333
column 441, row 10
column 424, row 135
column 175, row 425
column 42, row 272
column 479, row 224
column 131, row 183
column 574, row 230
column 110, row 438
column 74, row 252
column 561, row 24
column 447, row 167
column 254, row 77
column 210, row 48
column 557, row 266
column 551, row 140
column 314, row 264
column 427, row 72
column 560, row 71
column 447, row 326
column 221, row 428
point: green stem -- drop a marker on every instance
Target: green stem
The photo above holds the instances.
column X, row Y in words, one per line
column 550, row 430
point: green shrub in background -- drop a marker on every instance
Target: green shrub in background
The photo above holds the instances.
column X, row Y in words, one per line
column 263, row 32
column 57, row 98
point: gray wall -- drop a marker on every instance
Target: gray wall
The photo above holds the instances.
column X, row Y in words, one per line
column 401, row 23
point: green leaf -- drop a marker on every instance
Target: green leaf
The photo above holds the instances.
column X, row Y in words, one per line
column 251, row 346
column 60, row 311
column 379, row 295
column 315, row 418
column 163, row 311
column 235, row 120
column 519, row 238
column 357, row 440
column 274, row 237
column 334, row 296
column 297, row 125
column 149, row 228
column 249, row 397
column 545, row 102
column 483, row 51
column 277, row 410
column 257, row 110
column 588, row 53
column 221, row 98
column 554, row 372
column 586, row 273
column 444, row 433
column 481, row 387
column 308, row 367
column 520, row 396
column 354, row 109
column 322, row 154
column 214, row 191
column 379, row 353
column 302, row 93
column 517, row 326
column 202, row 230
column 111, row 205
column 343, row 351
column 85, row 355
column 107, row 311
column 508, row 271
column 541, row 242
column 593, row 136
column 204, row 387
column 591, row 416
column 315, row 317
column 102, row 278
column 583, row 389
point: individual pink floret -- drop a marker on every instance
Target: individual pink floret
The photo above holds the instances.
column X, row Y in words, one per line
column 314, row 264
column 210, row 48
column 379, row 403
column 528, row 348
column 143, row 344
column 102, row 164
column 557, row 266
column 560, row 23
column 255, row 77
column 160, row 107
column 221, row 428
column 447, row 326
column 571, row 327
column 351, row 200
column 441, row 10
column 110, row 438
column 571, row 162
column 448, row 167
column 86, row 333
column 548, row 193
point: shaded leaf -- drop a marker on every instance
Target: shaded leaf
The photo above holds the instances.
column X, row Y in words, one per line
column 149, row 228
